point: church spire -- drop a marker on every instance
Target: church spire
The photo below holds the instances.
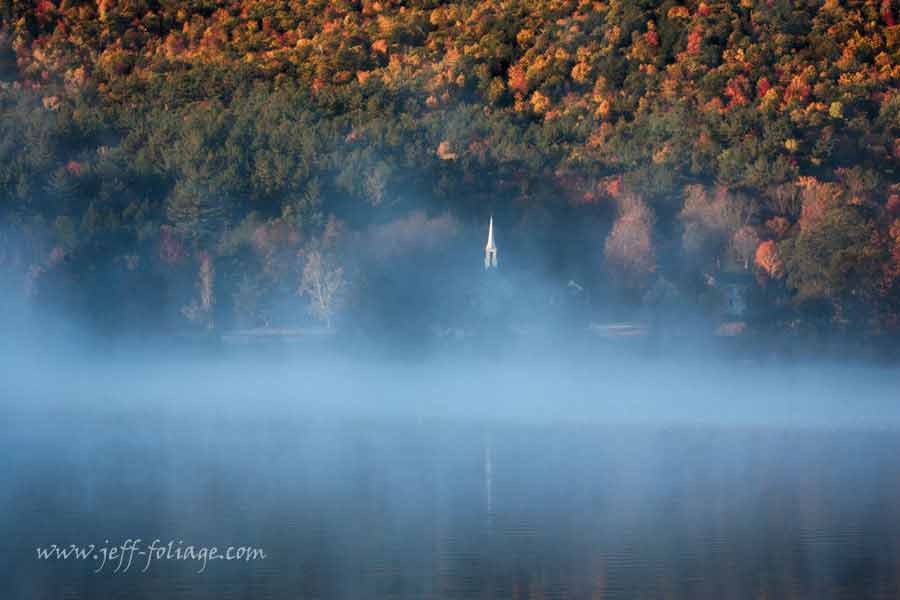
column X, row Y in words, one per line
column 490, row 249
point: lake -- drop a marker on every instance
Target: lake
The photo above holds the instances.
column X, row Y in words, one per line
column 435, row 503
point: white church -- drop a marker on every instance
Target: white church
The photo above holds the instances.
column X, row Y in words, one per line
column 490, row 249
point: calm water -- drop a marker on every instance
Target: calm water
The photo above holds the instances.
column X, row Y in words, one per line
column 441, row 508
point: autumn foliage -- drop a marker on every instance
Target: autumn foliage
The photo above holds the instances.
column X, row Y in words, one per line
column 629, row 250
column 767, row 260
column 746, row 136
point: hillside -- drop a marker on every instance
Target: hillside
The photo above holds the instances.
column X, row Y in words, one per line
column 213, row 164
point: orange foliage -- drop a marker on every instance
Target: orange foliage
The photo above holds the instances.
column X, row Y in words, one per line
column 445, row 152
column 517, row 80
column 768, row 261
column 798, row 89
column 678, row 12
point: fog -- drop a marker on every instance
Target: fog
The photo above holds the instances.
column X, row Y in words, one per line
column 257, row 314
column 513, row 463
column 695, row 391
column 500, row 477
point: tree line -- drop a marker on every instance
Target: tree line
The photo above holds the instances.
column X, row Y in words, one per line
column 243, row 163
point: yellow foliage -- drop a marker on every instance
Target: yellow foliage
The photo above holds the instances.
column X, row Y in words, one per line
column 580, row 72
column 524, row 37
column 539, row 102
column 836, row 110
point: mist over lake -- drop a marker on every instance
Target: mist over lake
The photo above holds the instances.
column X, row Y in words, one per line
column 457, row 480
column 419, row 299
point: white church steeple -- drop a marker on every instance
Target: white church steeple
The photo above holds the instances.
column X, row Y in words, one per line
column 490, row 249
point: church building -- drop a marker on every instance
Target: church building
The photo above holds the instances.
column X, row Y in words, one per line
column 490, row 250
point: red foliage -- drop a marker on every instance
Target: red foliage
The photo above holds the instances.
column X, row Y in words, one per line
column 73, row 167
column 762, row 86
column 694, row 40
column 887, row 13
column 44, row 11
column 738, row 89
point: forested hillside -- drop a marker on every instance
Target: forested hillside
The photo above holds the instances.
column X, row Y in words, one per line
column 210, row 164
